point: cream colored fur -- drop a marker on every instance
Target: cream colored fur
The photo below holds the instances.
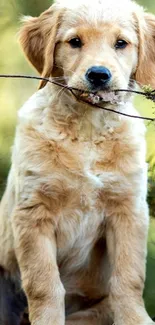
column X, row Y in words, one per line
column 74, row 217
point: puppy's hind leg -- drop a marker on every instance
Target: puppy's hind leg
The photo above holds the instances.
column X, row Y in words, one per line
column 12, row 300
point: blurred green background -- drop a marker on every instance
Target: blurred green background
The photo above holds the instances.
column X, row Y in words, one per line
column 13, row 93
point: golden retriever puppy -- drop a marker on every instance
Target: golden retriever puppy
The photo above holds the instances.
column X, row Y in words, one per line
column 74, row 217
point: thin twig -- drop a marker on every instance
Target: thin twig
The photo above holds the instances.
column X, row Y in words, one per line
column 149, row 95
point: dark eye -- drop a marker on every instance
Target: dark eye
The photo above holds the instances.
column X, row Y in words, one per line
column 75, row 42
column 121, row 44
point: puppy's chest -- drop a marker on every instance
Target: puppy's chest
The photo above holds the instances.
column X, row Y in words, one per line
column 81, row 211
column 82, row 166
column 80, row 172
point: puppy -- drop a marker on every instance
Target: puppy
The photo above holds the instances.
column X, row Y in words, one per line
column 74, row 218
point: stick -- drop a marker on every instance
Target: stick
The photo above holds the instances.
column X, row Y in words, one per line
column 149, row 95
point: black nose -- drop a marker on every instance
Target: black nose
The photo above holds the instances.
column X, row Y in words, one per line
column 98, row 76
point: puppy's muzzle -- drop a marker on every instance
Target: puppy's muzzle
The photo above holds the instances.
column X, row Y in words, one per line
column 98, row 77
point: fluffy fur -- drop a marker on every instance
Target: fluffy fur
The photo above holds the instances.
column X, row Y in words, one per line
column 74, row 217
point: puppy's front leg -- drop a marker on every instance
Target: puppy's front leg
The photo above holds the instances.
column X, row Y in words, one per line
column 36, row 253
column 126, row 241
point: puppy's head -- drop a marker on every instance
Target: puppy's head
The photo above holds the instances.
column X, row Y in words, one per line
column 92, row 45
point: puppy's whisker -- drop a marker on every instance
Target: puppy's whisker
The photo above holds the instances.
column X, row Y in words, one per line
column 60, row 92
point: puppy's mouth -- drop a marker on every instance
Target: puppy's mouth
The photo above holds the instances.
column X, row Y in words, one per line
column 100, row 97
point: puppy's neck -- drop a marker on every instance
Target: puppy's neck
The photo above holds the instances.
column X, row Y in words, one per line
column 77, row 119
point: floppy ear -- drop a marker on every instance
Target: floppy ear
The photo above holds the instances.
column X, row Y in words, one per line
column 145, row 73
column 38, row 39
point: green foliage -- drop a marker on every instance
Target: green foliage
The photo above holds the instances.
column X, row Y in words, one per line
column 149, row 292
column 151, row 186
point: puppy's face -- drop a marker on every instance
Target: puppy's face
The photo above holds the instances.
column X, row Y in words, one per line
column 92, row 46
column 96, row 55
